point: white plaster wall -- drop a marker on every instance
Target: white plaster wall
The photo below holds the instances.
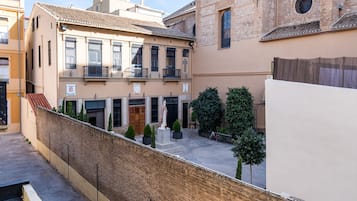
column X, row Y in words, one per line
column 311, row 141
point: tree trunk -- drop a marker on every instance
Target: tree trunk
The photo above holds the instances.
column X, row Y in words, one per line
column 251, row 174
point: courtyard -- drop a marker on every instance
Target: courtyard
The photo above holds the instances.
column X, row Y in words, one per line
column 214, row 155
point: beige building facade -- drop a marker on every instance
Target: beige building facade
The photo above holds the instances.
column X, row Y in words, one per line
column 236, row 41
column 109, row 65
column 12, row 54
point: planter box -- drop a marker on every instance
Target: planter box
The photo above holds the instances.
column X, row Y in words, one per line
column 177, row 135
column 146, row 140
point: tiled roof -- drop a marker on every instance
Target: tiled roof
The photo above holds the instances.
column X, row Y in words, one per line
column 293, row 31
column 110, row 21
column 348, row 21
column 191, row 7
column 38, row 100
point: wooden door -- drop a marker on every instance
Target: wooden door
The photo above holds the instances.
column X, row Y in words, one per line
column 137, row 118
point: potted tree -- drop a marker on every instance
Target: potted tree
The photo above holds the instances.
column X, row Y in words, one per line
column 147, row 135
column 130, row 133
column 177, row 134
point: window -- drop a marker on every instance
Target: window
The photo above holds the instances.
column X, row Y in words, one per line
column 185, row 52
column 194, row 30
column 32, row 58
column 171, row 58
column 39, row 56
column 117, row 56
column 49, row 52
column 37, row 22
column 303, row 6
column 95, row 53
column 226, row 29
column 71, row 108
column 70, row 52
column 154, row 110
column 117, row 112
column 155, row 58
column 33, row 24
column 4, row 32
column 137, row 56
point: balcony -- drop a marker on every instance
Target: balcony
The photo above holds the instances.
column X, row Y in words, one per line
column 171, row 74
column 139, row 75
column 96, row 73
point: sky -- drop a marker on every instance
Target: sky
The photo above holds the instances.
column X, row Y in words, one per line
column 168, row 6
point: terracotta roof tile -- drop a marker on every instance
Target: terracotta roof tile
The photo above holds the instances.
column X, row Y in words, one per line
column 38, row 100
column 111, row 21
column 291, row 31
column 348, row 21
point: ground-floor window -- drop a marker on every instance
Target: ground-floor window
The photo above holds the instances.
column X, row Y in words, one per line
column 154, row 110
column 117, row 112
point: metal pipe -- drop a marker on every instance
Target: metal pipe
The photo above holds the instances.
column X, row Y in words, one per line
column 19, row 59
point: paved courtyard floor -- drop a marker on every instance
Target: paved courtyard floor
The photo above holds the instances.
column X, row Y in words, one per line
column 20, row 162
column 213, row 155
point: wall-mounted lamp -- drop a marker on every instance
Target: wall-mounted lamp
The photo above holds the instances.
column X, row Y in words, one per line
column 340, row 6
column 191, row 43
column 63, row 27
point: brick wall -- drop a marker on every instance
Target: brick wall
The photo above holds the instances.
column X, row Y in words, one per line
column 130, row 171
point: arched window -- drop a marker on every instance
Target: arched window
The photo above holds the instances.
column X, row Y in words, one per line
column 226, row 28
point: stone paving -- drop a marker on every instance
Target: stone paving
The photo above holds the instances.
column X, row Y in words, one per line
column 213, row 155
column 20, row 162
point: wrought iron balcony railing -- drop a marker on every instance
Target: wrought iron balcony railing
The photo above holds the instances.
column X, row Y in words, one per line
column 96, row 72
column 139, row 74
column 171, row 74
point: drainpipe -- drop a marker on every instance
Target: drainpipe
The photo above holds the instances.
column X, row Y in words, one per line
column 19, row 58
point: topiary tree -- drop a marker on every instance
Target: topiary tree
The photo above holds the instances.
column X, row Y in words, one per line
column 130, row 133
column 110, row 123
column 251, row 148
column 239, row 112
column 81, row 114
column 208, row 108
column 239, row 169
column 69, row 110
column 153, row 143
column 176, row 126
column 147, row 131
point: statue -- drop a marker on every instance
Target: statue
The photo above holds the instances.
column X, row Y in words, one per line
column 164, row 115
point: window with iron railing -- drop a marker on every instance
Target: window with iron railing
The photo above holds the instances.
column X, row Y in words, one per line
column 117, row 57
column 154, row 58
column 4, row 31
column 70, row 53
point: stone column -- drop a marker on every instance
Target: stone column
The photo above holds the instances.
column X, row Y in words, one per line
column 161, row 99
column 147, row 110
column 107, row 111
column 124, row 111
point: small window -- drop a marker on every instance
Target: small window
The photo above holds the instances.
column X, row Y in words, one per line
column 4, row 31
column 171, row 58
column 39, row 56
column 117, row 60
column 154, row 110
column 303, row 6
column 154, row 58
column 226, row 29
column 37, row 22
column 117, row 112
column 49, row 52
column 194, row 30
column 33, row 24
column 185, row 52
column 137, row 56
column 70, row 52
column 32, row 58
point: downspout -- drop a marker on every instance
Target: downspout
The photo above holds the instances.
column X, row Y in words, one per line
column 19, row 59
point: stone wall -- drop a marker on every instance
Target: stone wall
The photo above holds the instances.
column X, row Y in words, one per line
column 125, row 170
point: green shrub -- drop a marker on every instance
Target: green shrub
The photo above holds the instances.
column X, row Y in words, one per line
column 193, row 116
column 208, row 108
column 239, row 169
column 130, row 133
column 239, row 112
column 110, row 123
column 176, row 126
column 147, row 131
column 153, row 144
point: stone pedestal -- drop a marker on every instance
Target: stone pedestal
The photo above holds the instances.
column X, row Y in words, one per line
column 163, row 138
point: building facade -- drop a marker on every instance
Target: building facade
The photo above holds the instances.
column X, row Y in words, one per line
column 108, row 64
column 12, row 84
column 236, row 41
